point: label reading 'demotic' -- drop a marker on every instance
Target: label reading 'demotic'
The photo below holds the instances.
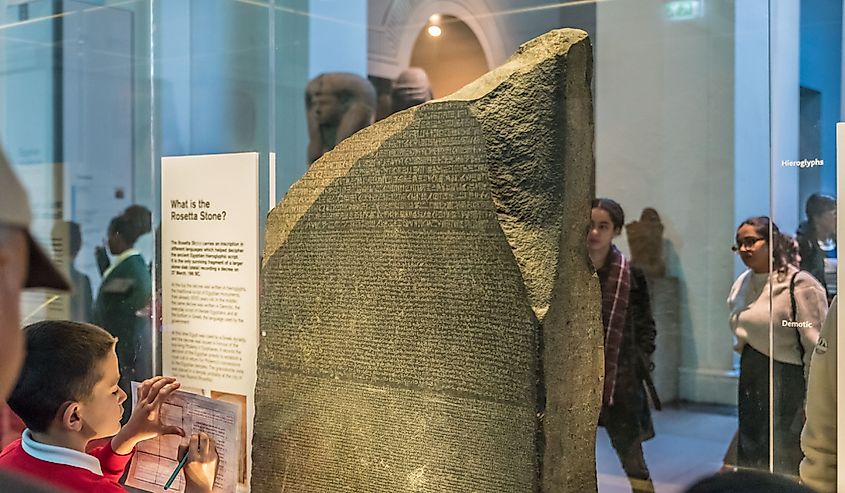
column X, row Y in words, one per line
column 796, row 325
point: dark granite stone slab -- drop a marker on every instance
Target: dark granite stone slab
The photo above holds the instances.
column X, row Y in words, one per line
column 431, row 319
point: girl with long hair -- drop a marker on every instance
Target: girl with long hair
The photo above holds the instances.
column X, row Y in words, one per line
column 629, row 342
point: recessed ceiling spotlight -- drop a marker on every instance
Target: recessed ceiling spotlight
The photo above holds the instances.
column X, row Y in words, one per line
column 434, row 31
column 434, row 19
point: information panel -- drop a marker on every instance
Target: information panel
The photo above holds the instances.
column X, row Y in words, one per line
column 210, row 269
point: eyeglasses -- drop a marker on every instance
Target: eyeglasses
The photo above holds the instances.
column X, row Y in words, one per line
column 747, row 242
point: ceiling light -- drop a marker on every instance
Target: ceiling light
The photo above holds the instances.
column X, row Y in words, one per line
column 434, row 31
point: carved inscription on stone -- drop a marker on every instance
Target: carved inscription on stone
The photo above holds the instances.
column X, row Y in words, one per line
column 404, row 303
column 402, row 349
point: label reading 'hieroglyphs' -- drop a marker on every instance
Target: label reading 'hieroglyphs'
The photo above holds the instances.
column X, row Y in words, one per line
column 803, row 163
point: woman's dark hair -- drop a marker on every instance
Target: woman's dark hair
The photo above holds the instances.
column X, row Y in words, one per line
column 819, row 204
column 135, row 221
column 612, row 207
column 784, row 249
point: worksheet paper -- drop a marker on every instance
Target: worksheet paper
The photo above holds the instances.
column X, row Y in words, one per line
column 157, row 458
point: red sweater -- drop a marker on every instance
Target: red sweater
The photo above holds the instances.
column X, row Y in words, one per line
column 69, row 477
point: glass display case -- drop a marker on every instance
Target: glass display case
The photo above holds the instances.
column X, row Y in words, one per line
column 714, row 121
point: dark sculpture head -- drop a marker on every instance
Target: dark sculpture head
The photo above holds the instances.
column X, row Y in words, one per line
column 326, row 101
column 650, row 215
column 411, row 88
column 338, row 105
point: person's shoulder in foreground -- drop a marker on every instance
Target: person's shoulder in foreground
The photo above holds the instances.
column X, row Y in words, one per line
column 22, row 265
column 818, row 439
column 68, row 396
column 747, row 481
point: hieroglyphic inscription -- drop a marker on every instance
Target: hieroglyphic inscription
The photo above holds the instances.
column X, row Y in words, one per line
column 397, row 282
column 400, row 345
column 416, row 250
column 438, row 181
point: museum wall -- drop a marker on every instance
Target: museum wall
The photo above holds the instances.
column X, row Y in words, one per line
column 664, row 139
column 34, row 90
column 59, row 87
column 291, row 30
column 329, row 22
column 821, row 68
column 751, row 112
column 215, row 96
column 785, row 110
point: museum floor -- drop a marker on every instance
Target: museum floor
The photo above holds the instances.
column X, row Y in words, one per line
column 690, row 442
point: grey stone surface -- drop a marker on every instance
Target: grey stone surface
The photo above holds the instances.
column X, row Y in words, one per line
column 431, row 319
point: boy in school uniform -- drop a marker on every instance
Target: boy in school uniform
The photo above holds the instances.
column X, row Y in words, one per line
column 68, row 396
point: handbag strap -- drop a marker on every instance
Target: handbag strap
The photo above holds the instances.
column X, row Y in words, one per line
column 793, row 314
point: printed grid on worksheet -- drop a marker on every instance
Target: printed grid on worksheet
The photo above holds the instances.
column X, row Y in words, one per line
column 157, row 458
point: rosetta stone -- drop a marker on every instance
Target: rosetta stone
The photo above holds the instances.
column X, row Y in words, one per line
column 430, row 321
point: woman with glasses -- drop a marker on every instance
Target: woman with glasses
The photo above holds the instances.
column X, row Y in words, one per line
column 629, row 342
column 776, row 311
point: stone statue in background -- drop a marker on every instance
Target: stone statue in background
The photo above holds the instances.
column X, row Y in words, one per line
column 645, row 238
column 429, row 318
column 338, row 105
column 411, row 88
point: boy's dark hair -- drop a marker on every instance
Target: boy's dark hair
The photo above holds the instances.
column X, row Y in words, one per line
column 60, row 366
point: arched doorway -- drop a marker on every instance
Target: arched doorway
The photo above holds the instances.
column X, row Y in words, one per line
column 452, row 59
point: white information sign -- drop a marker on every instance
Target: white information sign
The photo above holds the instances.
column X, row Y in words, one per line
column 209, row 242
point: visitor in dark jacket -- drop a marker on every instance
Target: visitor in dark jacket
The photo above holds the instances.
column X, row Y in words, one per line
column 629, row 342
column 126, row 288
column 817, row 241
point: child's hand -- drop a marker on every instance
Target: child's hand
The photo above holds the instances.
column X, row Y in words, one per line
column 145, row 422
column 201, row 468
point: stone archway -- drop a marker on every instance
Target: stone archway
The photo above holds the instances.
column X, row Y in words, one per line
column 451, row 60
column 394, row 31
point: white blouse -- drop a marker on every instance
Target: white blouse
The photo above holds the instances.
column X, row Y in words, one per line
column 751, row 319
